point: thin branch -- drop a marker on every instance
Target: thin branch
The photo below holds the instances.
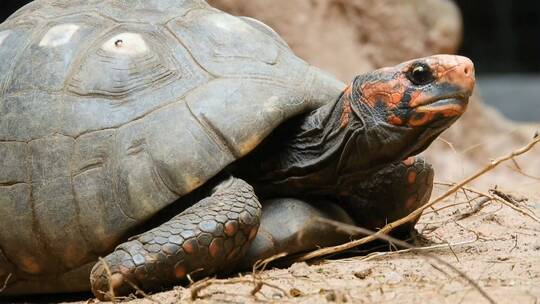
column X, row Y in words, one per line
column 141, row 292
column 4, row 286
column 401, row 243
column 375, row 255
column 260, row 265
column 436, row 211
column 196, row 288
column 512, row 203
column 475, row 209
column 519, row 171
column 109, row 279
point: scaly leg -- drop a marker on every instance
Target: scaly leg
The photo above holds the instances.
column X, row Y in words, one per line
column 390, row 194
column 208, row 237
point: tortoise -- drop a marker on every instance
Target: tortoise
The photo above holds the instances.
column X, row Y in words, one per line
column 155, row 133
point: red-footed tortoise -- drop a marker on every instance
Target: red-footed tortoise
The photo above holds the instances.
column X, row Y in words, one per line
column 118, row 115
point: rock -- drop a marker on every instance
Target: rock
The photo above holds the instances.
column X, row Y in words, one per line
column 300, row 269
column 351, row 36
column 393, row 278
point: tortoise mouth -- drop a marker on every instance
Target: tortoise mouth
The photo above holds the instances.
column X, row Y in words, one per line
column 447, row 105
column 461, row 96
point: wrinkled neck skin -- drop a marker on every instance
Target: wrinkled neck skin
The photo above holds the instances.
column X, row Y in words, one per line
column 333, row 148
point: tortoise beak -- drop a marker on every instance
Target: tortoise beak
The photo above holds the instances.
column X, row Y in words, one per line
column 460, row 73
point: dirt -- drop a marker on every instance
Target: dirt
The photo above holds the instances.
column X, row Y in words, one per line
column 496, row 247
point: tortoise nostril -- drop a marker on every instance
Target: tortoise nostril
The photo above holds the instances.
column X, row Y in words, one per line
column 466, row 71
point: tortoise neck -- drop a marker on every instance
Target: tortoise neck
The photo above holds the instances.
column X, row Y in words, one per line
column 314, row 154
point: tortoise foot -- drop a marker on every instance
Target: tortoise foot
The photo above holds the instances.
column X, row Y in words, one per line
column 390, row 194
column 208, row 237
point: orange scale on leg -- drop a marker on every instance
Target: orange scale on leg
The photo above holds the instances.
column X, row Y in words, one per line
column 216, row 248
column 411, row 202
column 252, row 233
column 189, row 246
column 411, row 177
column 179, row 272
column 231, row 227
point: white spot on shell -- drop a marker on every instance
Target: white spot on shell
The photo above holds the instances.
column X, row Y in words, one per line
column 3, row 36
column 126, row 44
column 59, row 35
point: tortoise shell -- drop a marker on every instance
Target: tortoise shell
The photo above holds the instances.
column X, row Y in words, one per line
column 111, row 110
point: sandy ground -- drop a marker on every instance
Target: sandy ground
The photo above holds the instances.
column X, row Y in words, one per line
column 497, row 247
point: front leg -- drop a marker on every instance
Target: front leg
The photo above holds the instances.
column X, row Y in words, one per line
column 208, row 237
column 390, row 194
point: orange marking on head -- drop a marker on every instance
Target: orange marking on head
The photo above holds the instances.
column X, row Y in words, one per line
column 397, row 92
column 389, row 92
column 348, row 90
column 411, row 177
column 418, row 97
column 421, row 120
column 456, row 70
column 346, row 112
column 396, row 121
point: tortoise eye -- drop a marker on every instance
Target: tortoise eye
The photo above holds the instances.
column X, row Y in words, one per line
column 420, row 74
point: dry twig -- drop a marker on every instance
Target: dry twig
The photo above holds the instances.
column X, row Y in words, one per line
column 141, row 292
column 401, row 243
column 4, row 286
column 109, row 277
column 512, row 202
column 375, row 255
column 196, row 288
column 475, row 209
column 260, row 265
column 512, row 205
column 258, row 283
column 518, row 170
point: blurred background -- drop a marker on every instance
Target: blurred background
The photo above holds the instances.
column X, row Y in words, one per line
column 502, row 37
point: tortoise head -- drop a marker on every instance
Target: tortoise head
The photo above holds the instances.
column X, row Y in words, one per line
column 414, row 101
column 418, row 92
column 383, row 117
